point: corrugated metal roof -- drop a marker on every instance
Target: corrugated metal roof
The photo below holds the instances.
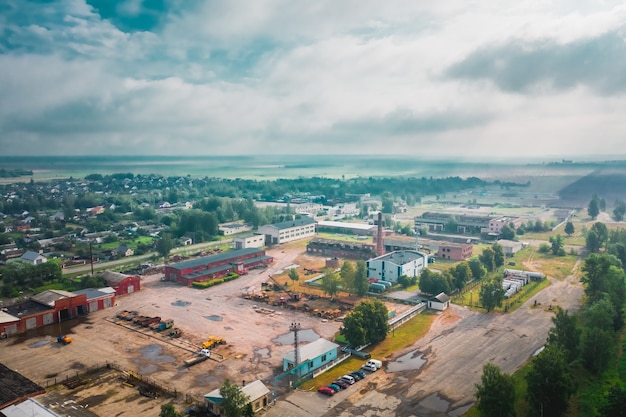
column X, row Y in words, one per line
column 293, row 223
column 312, row 350
column 253, row 390
column 114, row 277
column 192, row 263
column 346, row 225
column 7, row 318
column 28, row 408
column 48, row 297
column 93, row 293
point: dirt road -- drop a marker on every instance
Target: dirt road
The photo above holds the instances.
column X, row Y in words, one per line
column 455, row 349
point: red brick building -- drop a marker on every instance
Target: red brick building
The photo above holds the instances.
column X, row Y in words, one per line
column 122, row 283
column 455, row 251
column 216, row 266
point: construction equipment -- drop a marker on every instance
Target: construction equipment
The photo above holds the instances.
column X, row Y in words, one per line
column 64, row 339
column 175, row 332
column 213, row 341
column 162, row 325
column 149, row 320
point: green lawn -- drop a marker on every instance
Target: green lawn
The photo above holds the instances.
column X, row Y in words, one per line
column 404, row 336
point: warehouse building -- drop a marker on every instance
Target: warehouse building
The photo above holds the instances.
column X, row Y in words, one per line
column 391, row 266
column 288, row 231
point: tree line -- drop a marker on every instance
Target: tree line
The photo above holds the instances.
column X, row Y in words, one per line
column 585, row 342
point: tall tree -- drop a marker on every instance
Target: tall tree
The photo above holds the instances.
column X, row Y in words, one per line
column 164, row 246
column 487, row 259
column 496, row 393
column 594, row 208
column 602, row 231
column 462, row 274
column 367, row 323
column 491, row 294
column 477, row 268
column 592, row 242
column 557, row 245
column 604, row 277
column 507, row 232
column 569, row 228
column 550, row 383
column 330, row 282
column 361, row 282
column 615, row 400
column 293, row 275
column 498, row 255
column 233, row 399
column 348, row 276
column 565, row 333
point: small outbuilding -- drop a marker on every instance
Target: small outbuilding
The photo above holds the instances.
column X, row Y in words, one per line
column 439, row 302
column 33, row 258
column 257, row 392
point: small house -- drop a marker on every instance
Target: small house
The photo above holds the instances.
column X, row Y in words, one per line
column 258, row 395
column 33, row 258
column 439, row 302
column 311, row 356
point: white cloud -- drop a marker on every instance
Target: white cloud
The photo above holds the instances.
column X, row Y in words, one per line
column 278, row 76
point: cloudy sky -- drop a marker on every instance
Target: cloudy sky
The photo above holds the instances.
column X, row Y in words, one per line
column 529, row 78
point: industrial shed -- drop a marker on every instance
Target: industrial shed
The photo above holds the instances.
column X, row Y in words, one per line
column 216, row 266
column 98, row 299
column 122, row 283
column 15, row 388
column 312, row 356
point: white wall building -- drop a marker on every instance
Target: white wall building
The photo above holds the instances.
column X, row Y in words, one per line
column 227, row 229
column 392, row 265
column 288, row 231
column 254, row 240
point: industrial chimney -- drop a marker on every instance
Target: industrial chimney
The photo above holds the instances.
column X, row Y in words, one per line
column 380, row 243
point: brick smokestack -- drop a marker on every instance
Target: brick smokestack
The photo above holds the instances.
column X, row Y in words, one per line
column 380, row 244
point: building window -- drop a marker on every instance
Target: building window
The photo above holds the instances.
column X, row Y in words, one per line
column 323, row 358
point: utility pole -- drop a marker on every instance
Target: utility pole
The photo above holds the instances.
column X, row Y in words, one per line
column 91, row 256
column 295, row 327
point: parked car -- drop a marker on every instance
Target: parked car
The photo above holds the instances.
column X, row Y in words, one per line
column 334, row 387
column 378, row 364
column 369, row 367
column 361, row 373
column 356, row 377
column 341, row 383
column 349, row 379
column 326, row 391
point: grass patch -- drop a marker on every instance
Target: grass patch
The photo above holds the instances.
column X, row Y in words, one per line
column 404, row 336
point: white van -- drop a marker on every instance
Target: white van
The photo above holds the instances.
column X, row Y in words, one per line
column 375, row 362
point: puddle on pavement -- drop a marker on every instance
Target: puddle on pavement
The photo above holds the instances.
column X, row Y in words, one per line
column 228, row 328
column 147, row 369
column 458, row 412
column 214, row 318
column 39, row 344
column 153, row 353
column 307, row 335
column 435, row 402
column 263, row 353
column 410, row 361
column 180, row 303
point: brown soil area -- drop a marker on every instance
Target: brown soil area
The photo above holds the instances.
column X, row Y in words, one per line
column 256, row 342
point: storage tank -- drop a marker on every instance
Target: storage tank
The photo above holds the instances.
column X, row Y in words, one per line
column 377, row 287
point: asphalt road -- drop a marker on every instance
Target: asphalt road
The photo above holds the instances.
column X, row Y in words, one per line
column 455, row 349
column 137, row 259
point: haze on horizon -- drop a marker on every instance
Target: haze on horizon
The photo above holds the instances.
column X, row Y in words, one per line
column 446, row 79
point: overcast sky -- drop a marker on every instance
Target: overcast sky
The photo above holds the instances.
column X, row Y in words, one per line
column 427, row 78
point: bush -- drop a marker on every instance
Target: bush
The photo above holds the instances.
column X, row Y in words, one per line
column 544, row 248
column 213, row 282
